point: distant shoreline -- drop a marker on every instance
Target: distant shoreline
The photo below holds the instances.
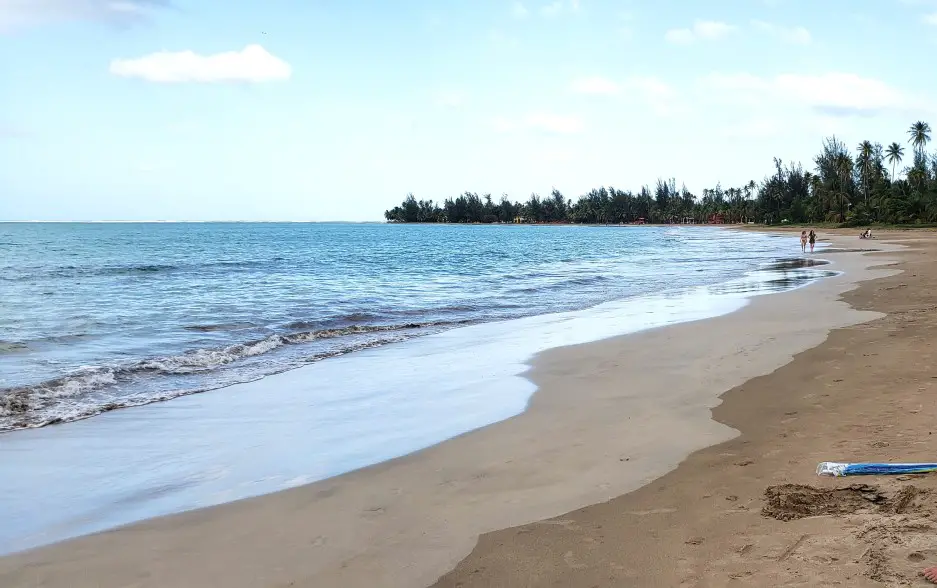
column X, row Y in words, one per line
column 753, row 226
column 169, row 222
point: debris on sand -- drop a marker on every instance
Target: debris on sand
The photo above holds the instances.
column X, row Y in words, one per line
column 789, row 502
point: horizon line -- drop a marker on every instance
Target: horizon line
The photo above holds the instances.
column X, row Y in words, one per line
column 155, row 221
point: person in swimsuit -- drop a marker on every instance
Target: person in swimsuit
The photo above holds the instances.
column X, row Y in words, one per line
column 812, row 237
column 803, row 241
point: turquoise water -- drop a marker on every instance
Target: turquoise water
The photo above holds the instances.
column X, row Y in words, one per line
column 101, row 316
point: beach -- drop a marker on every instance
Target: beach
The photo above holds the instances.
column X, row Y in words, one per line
column 213, row 374
column 609, row 418
column 751, row 511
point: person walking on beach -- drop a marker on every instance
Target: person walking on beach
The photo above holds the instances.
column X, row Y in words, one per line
column 812, row 237
column 803, row 241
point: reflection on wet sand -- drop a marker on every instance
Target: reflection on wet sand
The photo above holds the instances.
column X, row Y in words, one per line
column 785, row 274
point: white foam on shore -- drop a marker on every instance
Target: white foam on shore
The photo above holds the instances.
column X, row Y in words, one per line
column 299, row 426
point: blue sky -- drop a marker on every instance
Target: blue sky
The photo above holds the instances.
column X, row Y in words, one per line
column 334, row 110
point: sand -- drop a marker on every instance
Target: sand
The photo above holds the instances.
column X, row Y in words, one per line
column 751, row 511
column 609, row 418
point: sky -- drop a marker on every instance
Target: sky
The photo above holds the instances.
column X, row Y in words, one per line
column 318, row 110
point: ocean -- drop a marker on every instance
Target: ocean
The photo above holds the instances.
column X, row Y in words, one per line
column 369, row 340
column 101, row 316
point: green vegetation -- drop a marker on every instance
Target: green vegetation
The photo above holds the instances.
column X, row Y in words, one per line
column 844, row 187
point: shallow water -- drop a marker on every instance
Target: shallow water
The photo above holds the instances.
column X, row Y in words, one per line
column 96, row 317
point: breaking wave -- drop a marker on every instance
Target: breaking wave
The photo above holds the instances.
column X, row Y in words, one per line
column 92, row 390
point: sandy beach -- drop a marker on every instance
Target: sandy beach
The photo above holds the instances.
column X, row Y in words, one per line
column 751, row 511
column 826, row 372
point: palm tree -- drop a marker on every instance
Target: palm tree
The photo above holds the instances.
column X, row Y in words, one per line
column 893, row 155
column 920, row 135
column 866, row 151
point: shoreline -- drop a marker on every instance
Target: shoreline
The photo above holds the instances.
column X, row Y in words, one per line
column 241, row 441
column 408, row 520
column 751, row 511
column 38, row 402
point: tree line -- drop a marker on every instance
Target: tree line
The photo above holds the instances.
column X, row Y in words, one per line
column 861, row 186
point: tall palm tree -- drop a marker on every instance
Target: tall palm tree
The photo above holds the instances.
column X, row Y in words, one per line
column 893, row 155
column 866, row 151
column 844, row 166
column 920, row 135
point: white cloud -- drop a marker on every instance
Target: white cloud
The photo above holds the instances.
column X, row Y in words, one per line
column 519, row 10
column 595, row 85
column 20, row 13
column 251, row 64
column 931, row 18
column 793, row 35
column 708, row 30
column 833, row 94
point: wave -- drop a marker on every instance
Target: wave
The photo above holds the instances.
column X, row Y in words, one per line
column 13, row 347
column 351, row 319
column 83, row 393
column 18, row 412
column 73, row 271
column 563, row 284
column 211, row 328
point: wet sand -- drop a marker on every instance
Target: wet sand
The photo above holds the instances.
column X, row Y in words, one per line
column 609, row 417
column 751, row 511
